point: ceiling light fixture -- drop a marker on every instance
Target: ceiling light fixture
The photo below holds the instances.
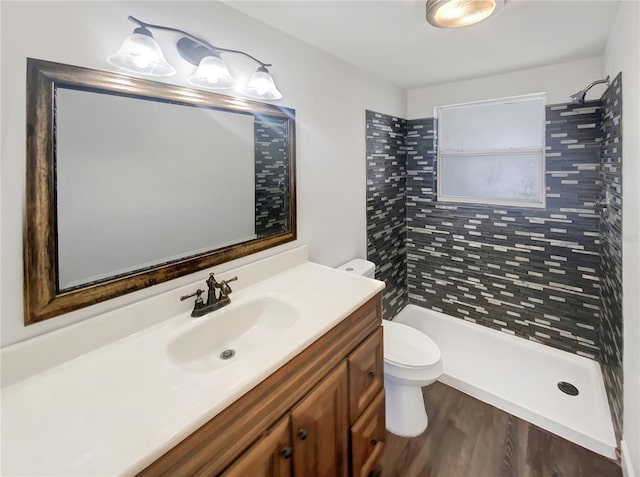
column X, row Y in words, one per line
column 460, row 13
column 140, row 53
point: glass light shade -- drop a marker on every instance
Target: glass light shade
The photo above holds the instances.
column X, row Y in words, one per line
column 262, row 86
column 459, row 13
column 141, row 54
column 212, row 73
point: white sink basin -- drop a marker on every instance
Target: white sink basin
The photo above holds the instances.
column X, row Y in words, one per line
column 238, row 330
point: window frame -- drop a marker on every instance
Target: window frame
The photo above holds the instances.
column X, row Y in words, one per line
column 542, row 204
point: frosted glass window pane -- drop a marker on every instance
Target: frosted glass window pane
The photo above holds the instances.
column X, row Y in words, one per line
column 495, row 177
column 494, row 126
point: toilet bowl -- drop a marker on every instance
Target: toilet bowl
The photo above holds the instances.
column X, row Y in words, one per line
column 411, row 360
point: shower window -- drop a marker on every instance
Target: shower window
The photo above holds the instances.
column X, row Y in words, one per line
column 492, row 152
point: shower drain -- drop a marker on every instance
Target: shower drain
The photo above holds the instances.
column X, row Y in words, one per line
column 227, row 353
column 568, row 388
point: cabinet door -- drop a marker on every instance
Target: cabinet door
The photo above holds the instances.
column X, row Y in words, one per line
column 368, row 436
column 366, row 374
column 269, row 457
column 321, row 429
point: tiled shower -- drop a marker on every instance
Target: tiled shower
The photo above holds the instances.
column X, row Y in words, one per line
column 552, row 275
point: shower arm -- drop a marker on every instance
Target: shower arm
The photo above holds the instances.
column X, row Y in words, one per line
column 593, row 83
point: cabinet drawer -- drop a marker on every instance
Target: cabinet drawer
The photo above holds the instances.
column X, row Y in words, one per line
column 368, row 436
column 269, row 457
column 366, row 370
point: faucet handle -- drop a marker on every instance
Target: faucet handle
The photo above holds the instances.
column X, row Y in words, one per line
column 198, row 306
column 225, row 289
column 197, row 293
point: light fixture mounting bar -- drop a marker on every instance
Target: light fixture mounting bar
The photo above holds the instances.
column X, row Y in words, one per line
column 214, row 50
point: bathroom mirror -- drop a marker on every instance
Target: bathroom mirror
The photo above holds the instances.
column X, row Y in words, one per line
column 133, row 182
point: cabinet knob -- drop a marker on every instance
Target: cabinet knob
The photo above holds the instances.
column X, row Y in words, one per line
column 373, row 441
column 371, row 373
column 302, row 433
column 287, row 452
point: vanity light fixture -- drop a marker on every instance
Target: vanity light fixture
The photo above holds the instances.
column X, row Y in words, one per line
column 140, row 53
column 459, row 13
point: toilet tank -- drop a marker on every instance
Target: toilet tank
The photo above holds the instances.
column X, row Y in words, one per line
column 359, row 266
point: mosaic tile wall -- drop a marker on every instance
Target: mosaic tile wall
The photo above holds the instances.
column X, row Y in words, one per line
column 611, row 249
column 271, row 161
column 526, row 271
column 386, row 226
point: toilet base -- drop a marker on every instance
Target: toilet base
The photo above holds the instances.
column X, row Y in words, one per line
column 405, row 409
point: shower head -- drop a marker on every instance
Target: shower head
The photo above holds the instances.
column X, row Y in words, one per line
column 578, row 98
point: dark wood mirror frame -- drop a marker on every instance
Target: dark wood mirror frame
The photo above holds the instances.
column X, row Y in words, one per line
column 42, row 298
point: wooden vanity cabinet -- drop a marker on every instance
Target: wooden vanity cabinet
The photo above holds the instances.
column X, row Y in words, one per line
column 319, row 415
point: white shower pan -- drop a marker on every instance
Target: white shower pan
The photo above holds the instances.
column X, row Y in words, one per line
column 521, row 377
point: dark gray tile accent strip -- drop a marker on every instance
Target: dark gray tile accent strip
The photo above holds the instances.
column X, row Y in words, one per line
column 386, row 226
column 611, row 249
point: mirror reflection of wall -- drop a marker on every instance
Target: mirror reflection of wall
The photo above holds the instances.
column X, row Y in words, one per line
column 272, row 183
column 196, row 179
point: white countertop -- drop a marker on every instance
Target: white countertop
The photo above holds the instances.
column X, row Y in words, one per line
column 115, row 410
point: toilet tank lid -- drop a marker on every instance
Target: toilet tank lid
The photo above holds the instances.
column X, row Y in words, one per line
column 358, row 266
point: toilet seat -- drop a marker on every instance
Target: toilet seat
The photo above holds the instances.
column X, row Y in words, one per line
column 407, row 347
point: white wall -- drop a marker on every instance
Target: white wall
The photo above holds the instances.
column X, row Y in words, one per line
column 329, row 96
column 622, row 53
column 558, row 81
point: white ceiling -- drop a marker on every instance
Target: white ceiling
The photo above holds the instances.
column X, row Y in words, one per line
column 392, row 39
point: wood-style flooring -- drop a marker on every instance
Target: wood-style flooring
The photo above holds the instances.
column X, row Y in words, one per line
column 469, row 438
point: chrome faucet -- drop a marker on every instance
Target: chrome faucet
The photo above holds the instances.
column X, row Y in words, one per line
column 214, row 301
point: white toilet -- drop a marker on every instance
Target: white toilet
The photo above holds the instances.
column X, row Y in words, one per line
column 411, row 360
